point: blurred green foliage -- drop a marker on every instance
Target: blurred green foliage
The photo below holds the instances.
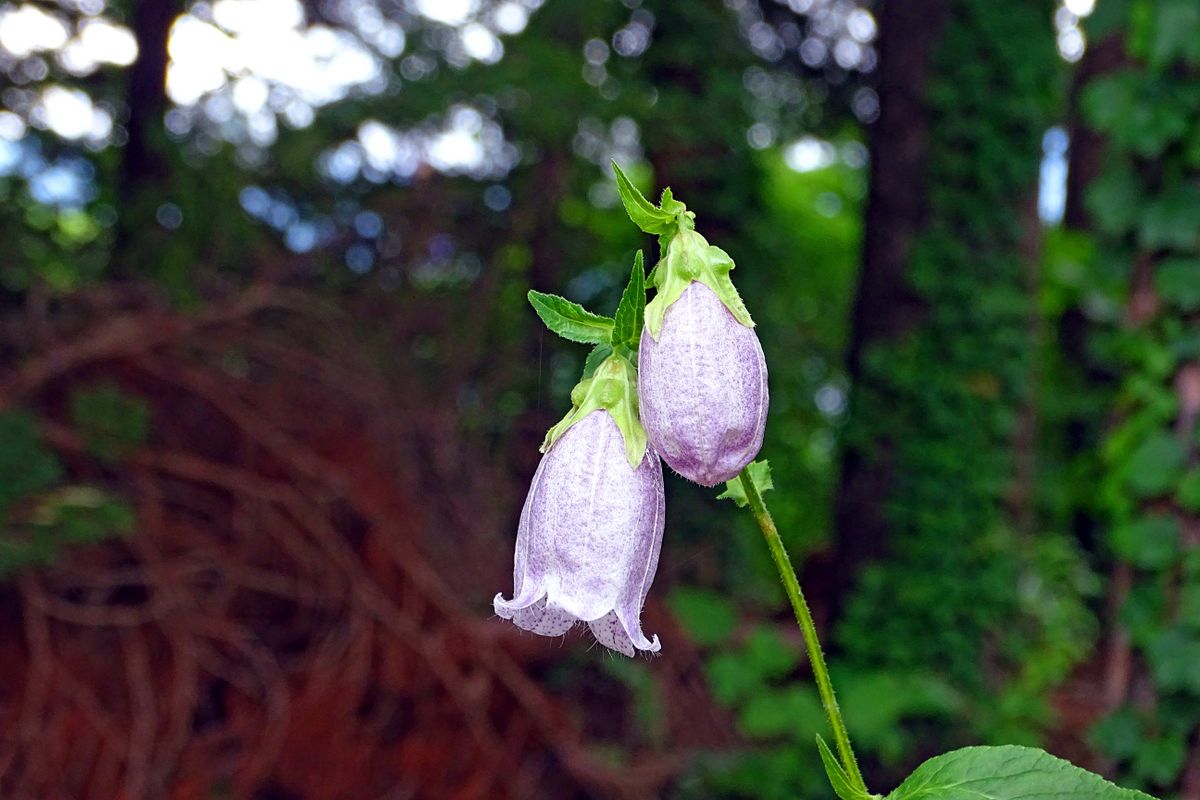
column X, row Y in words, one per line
column 112, row 423
column 946, row 400
column 39, row 515
column 1146, row 206
column 759, row 672
column 968, row 624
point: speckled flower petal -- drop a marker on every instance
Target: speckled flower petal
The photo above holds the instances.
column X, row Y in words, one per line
column 703, row 389
column 543, row 619
column 589, row 538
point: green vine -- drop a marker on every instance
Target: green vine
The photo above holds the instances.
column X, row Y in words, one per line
column 942, row 403
column 1145, row 206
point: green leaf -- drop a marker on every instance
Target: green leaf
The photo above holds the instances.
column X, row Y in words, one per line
column 669, row 205
column 1160, row 759
column 1177, row 32
column 26, row 464
column 838, row 778
column 1155, row 465
column 877, row 704
column 708, row 617
column 760, row 473
column 1150, row 542
column 1178, row 281
column 1173, row 655
column 791, row 712
column 1119, row 734
column 1006, row 773
column 571, row 320
column 1109, row 17
column 631, row 312
column 112, row 423
column 1172, row 219
column 1188, row 493
column 1114, row 200
column 644, row 214
column 768, row 655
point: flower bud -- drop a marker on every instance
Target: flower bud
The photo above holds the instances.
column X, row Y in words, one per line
column 589, row 537
column 703, row 388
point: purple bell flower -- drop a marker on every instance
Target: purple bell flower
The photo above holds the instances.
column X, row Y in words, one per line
column 589, row 538
column 702, row 385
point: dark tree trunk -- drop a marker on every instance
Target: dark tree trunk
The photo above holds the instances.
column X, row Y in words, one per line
column 885, row 306
column 144, row 165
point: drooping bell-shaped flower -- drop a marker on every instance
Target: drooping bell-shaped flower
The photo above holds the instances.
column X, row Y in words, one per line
column 592, row 524
column 702, row 373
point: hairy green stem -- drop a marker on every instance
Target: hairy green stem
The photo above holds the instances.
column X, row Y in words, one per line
column 791, row 585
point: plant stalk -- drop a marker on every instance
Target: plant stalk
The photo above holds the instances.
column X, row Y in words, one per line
column 791, row 585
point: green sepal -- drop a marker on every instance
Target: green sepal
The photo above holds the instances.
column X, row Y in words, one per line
column 669, row 205
column 594, row 359
column 571, row 320
column 689, row 257
column 646, row 215
column 760, row 473
column 838, row 778
column 631, row 311
column 612, row 387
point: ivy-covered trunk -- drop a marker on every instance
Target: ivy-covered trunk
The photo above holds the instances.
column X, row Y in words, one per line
column 941, row 377
column 1143, row 206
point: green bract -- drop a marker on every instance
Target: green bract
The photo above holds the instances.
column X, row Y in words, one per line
column 689, row 257
column 686, row 255
column 613, row 387
column 609, row 376
column 571, row 320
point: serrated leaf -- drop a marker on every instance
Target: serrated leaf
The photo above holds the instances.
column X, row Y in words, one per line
column 760, row 473
column 647, row 216
column 1007, row 773
column 838, row 778
column 571, row 320
column 669, row 205
column 631, row 311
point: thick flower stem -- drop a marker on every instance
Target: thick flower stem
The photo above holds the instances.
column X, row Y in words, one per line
column 804, row 619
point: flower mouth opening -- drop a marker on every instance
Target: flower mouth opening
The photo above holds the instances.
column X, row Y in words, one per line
column 546, row 618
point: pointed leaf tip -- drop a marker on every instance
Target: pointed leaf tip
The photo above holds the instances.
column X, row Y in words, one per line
column 571, row 320
column 760, row 473
column 631, row 312
column 1007, row 772
column 647, row 216
column 838, row 778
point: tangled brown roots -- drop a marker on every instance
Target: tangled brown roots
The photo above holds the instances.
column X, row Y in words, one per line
column 273, row 628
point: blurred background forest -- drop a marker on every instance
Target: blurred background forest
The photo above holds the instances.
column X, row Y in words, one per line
column 271, row 395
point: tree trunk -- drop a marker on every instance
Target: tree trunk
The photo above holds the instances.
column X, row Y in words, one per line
column 885, row 306
column 144, row 165
column 943, row 345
